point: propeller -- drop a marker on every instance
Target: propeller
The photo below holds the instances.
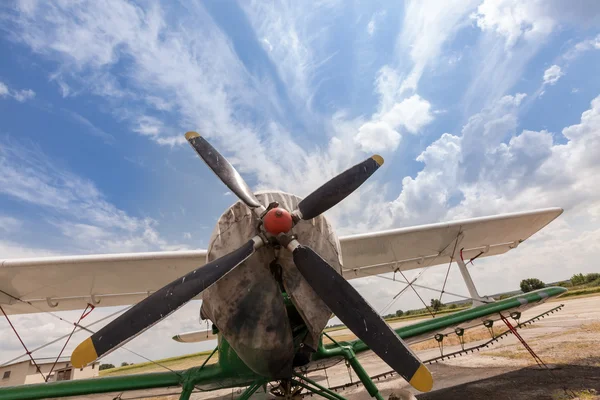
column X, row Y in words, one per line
column 354, row 311
column 343, row 300
column 313, row 205
column 338, row 188
column 159, row 305
column 223, row 169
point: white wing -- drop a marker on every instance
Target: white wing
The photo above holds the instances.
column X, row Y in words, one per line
column 425, row 245
column 69, row 283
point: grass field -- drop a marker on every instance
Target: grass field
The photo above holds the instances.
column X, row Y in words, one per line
column 180, row 362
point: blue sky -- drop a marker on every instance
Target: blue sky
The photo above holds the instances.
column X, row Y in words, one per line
column 478, row 107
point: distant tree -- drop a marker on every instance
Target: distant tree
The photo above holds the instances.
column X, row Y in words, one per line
column 578, row 279
column 124, row 364
column 399, row 313
column 527, row 285
column 591, row 277
column 452, row 306
column 106, row 366
column 436, row 304
column 409, row 312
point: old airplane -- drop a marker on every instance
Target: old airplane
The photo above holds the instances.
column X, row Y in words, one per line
column 273, row 274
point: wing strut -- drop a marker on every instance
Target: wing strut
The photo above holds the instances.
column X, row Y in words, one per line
column 477, row 299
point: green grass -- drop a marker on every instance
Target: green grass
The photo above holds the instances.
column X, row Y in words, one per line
column 168, row 362
column 581, row 292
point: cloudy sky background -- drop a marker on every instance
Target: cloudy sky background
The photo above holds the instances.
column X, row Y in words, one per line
column 478, row 107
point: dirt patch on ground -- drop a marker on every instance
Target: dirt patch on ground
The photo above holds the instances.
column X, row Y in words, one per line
column 579, row 346
column 561, row 383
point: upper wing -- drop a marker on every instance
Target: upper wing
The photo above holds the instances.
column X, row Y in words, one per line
column 69, row 283
column 425, row 245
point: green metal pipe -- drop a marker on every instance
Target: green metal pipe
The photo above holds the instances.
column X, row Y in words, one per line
column 104, row 385
column 530, row 299
column 364, row 377
column 348, row 353
column 90, row 386
column 186, row 391
column 250, row 390
column 323, row 392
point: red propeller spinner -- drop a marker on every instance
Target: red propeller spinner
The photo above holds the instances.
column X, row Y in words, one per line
column 277, row 220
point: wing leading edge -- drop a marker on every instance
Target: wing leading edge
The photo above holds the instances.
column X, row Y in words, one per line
column 426, row 245
column 70, row 283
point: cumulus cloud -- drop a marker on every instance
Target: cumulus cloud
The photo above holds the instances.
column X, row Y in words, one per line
column 492, row 168
column 377, row 136
column 514, row 19
column 552, row 75
column 381, row 133
column 412, row 114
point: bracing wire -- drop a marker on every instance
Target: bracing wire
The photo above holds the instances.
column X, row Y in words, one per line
column 423, row 270
column 92, row 332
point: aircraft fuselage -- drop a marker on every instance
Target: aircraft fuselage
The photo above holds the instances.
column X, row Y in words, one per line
column 266, row 311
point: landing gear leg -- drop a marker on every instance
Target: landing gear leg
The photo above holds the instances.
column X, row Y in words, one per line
column 251, row 389
column 363, row 376
column 315, row 388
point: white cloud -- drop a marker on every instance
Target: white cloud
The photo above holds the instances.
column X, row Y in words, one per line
column 149, row 126
column 290, row 32
column 86, row 220
column 514, row 19
column 19, row 95
column 378, row 137
column 426, row 27
column 582, row 47
column 380, row 134
column 375, row 19
column 23, row 95
column 412, row 113
column 491, row 168
column 371, row 27
column 514, row 32
column 552, row 75
column 3, row 90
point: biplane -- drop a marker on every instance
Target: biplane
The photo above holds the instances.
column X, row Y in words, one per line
column 272, row 277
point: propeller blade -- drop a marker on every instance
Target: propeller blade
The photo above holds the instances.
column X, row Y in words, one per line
column 338, row 188
column 349, row 306
column 159, row 305
column 223, row 169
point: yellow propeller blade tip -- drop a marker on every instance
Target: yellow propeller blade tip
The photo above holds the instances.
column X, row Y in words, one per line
column 190, row 135
column 84, row 354
column 422, row 380
column 378, row 159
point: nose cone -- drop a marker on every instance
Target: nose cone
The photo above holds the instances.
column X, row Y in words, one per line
column 278, row 220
